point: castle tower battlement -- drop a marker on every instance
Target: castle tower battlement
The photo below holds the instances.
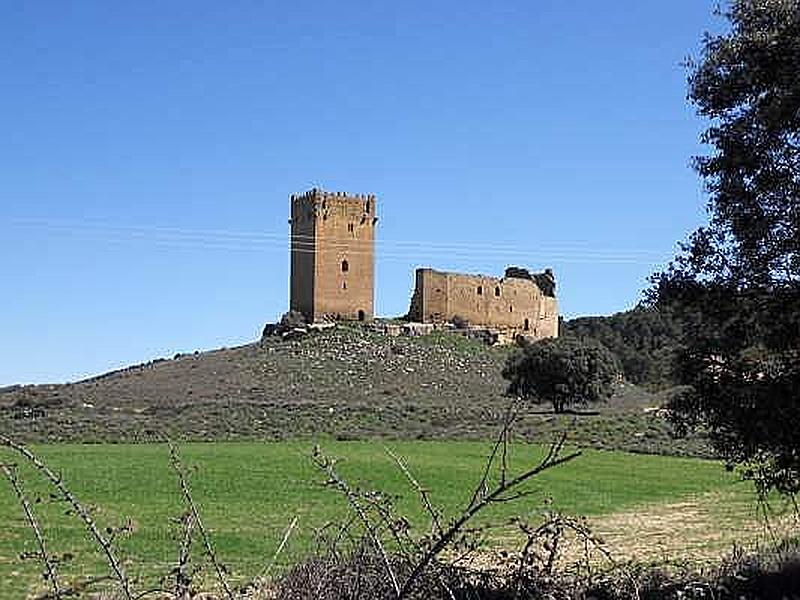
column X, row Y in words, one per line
column 333, row 255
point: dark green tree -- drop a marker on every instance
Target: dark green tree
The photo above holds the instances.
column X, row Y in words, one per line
column 736, row 284
column 642, row 340
column 562, row 371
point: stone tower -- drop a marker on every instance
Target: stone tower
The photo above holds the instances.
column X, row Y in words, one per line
column 333, row 255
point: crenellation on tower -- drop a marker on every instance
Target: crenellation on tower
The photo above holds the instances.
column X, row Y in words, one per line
column 332, row 255
column 333, row 274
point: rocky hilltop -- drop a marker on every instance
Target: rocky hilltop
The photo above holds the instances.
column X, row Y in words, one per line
column 347, row 382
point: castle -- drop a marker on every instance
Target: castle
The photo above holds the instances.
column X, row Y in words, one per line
column 333, row 255
column 333, row 275
column 518, row 302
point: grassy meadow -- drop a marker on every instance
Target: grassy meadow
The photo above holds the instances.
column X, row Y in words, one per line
column 248, row 493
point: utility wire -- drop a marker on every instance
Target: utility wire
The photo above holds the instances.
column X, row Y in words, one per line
column 256, row 237
column 405, row 249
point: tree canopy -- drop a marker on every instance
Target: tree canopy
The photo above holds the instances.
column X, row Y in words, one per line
column 562, row 371
column 736, row 284
column 642, row 340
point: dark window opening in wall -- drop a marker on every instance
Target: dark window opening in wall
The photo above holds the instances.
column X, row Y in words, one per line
column 361, row 315
column 480, row 290
column 527, row 325
column 344, row 285
column 497, row 291
column 367, row 206
column 350, row 227
column 510, row 309
column 345, row 266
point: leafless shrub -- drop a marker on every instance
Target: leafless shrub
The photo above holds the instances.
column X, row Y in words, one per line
column 182, row 572
column 105, row 543
column 357, row 501
column 375, row 554
column 414, row 568
column 195, row 520
column 49, row 573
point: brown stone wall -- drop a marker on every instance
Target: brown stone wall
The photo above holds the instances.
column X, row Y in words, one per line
column 433, row 293
column 548, row 323
column 301, row 285
column 507, row 303
column 339, row 279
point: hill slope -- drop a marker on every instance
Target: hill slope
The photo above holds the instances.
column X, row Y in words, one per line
column 643, row 340
column 346, row 383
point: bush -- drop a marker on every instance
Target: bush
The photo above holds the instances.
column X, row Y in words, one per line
column 291, row 320
column 460, row 322
column 563, row 371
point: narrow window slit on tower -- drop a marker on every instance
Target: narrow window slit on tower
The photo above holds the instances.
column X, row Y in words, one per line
column 497, row 291
column 480, row 290
column 345, row 266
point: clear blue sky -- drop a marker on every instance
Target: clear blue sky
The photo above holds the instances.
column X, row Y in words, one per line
column 148, row 150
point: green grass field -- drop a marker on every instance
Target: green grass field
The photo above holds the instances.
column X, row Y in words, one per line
column 249, row 492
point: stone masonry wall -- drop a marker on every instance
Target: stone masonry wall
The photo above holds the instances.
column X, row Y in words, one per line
column 302, row 258
column 333, row 255
column 509, row 303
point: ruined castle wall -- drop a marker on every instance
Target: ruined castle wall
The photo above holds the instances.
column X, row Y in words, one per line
column 434, row 294
column 345, row 268
column 548, row 323
column 342, row 275
column 508, row 303
column 302, row 256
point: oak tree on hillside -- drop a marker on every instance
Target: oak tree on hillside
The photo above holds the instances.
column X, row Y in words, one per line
column 562, row 371
column 736, row 284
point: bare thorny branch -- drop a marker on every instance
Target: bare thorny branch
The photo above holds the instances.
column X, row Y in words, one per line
column 75, row 589
column 195, row 515
column 436, row 526
column 182, row 577
column 505, row 490
column 501, row 446
column 479, row 503
column 373, row 510
column 334, row 479
column 104, row 543
column 50, row 569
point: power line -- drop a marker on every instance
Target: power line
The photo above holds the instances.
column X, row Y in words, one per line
column 255, row 237
column 405, row 249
